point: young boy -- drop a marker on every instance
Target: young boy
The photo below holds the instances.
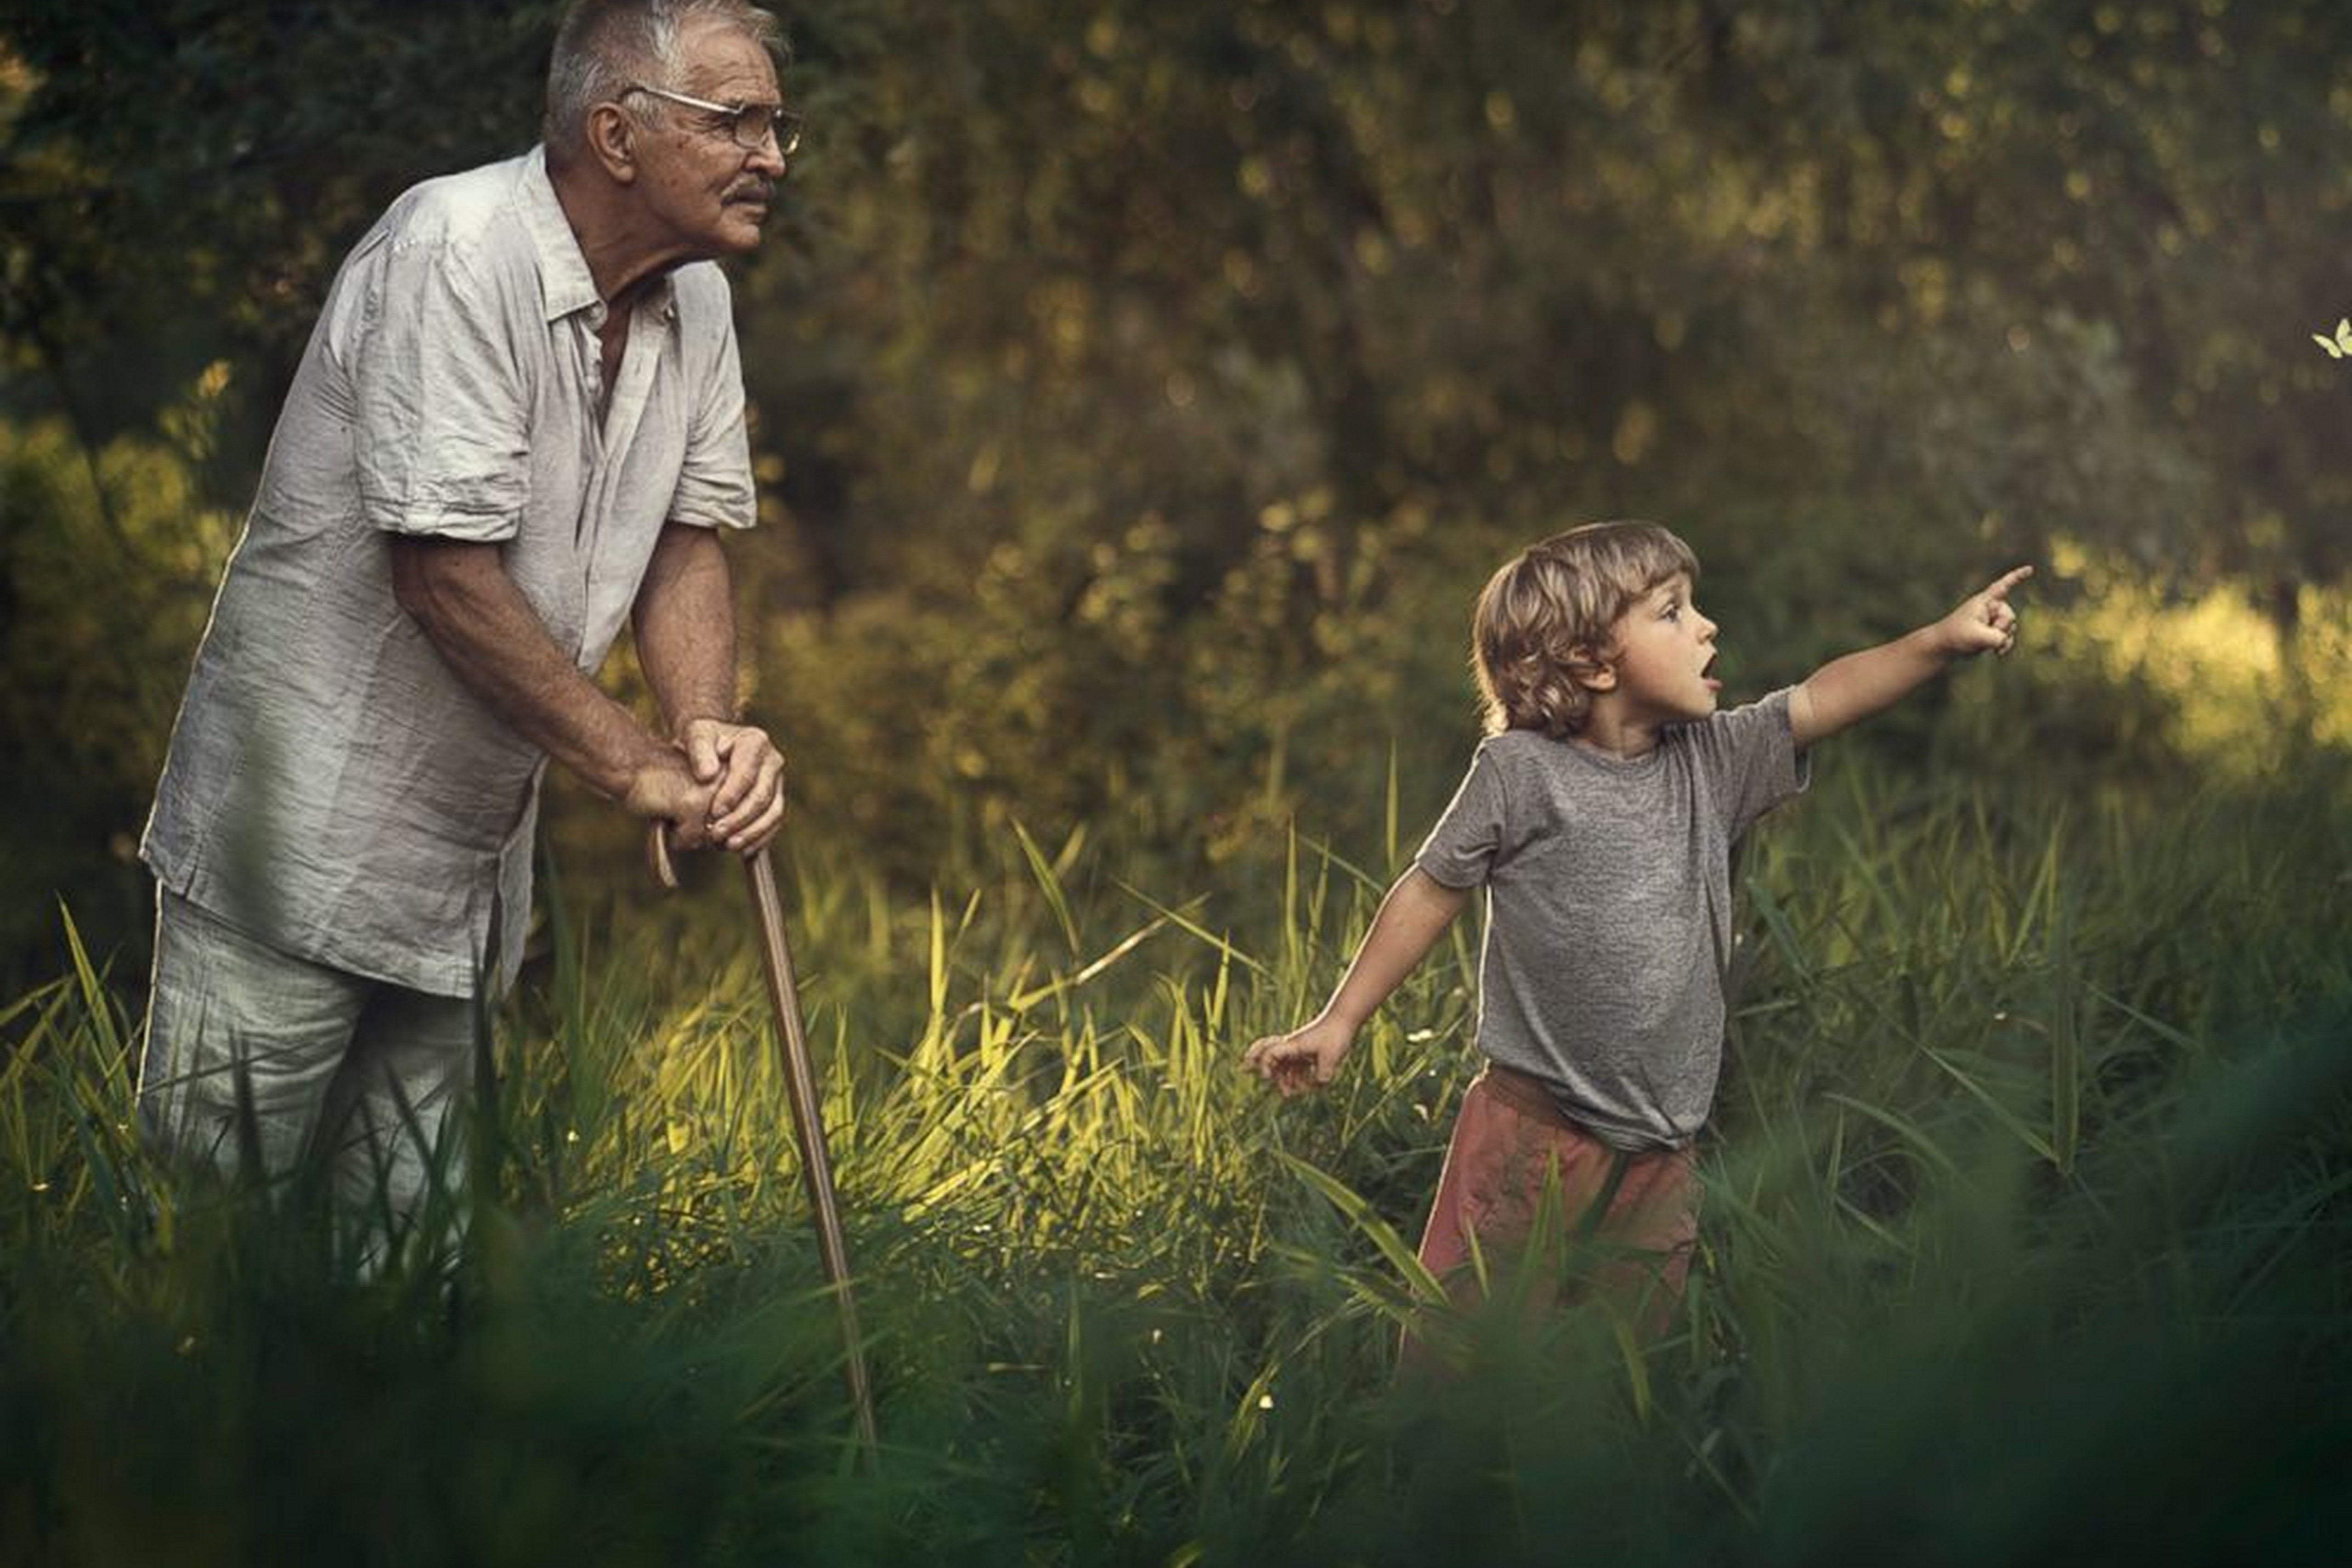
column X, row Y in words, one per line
column 1598, row 814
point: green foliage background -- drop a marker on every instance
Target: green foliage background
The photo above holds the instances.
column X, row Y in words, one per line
column 1142, row 391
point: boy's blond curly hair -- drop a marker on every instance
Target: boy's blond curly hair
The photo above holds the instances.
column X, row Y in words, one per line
column 1544, row 622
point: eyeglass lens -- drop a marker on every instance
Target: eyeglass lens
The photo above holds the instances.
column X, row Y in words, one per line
column 754, row 120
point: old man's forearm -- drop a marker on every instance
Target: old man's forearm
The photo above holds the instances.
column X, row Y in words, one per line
column 685, row 627
column 499, row 649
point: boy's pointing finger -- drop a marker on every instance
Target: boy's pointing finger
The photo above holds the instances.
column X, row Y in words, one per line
column 2007, row 580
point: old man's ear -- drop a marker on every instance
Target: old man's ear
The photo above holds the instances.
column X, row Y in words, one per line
column 612, row 137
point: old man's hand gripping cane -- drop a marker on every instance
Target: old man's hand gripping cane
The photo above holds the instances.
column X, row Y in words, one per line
column 808, row 1126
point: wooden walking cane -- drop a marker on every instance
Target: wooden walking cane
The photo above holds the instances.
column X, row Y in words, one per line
column 808, row 1124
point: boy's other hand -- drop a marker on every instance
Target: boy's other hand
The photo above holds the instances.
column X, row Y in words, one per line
column 1302, row 1060
column 1984, row 622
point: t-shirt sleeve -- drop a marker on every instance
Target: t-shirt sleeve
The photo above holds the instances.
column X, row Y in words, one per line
column 1460, row 850
column 714, row 483
column 440, row 419
column 1748, row 760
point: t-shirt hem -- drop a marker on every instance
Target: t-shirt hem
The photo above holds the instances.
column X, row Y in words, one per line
column 1420, row 864
column 1618, row 1135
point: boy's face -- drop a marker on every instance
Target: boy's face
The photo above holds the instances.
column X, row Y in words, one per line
column 1663, row 650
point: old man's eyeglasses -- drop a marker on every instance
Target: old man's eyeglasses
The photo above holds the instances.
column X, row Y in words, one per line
column 750, row 125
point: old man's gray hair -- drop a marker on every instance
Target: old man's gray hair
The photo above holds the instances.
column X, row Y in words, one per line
column 603, row 46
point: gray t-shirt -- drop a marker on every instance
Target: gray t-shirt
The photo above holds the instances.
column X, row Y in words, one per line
column 1609, row 909
column 333, row 789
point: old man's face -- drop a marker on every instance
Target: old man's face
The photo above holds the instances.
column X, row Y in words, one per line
column 700, row 183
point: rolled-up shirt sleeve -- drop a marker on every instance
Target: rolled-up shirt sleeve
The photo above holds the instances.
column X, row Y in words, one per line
column 440, row 413
column 714, row 483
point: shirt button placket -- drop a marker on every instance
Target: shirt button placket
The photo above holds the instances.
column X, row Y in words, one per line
column 589, row 530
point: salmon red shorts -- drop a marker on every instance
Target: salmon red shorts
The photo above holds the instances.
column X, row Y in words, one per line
column 1626, row 1223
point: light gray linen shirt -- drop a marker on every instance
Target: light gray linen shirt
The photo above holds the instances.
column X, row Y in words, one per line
column 1609, row 909
column 331, row 789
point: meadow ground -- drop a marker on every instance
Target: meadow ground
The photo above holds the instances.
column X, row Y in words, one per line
column 2024, row 1237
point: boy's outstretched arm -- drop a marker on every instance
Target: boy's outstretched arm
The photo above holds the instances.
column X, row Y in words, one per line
column 1416, row 911
column 1847, row 690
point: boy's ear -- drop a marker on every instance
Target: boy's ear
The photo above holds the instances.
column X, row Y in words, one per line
column 1602, row 675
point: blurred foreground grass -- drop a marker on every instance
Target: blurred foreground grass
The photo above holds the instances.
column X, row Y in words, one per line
column 2024, row 1240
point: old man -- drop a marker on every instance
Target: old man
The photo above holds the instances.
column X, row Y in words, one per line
column 519, row 422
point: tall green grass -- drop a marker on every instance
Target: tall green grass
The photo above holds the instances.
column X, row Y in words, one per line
column 2025, row 1238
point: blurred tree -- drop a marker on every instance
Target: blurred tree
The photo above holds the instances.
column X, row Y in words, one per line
column 1862, row 297
column 182, row 175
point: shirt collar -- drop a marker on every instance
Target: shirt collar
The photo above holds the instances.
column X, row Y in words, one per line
column 565, row 284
